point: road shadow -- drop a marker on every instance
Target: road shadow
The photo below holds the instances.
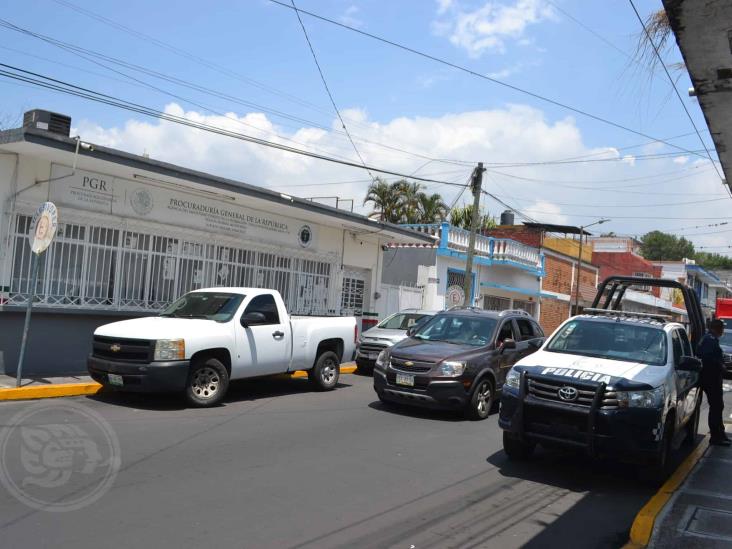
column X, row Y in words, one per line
column 449, row 416
column 246, row 390
column 610, row 494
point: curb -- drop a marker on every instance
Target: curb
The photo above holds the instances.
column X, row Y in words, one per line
column 91, row 388
column 50, row 391
column 642, row 529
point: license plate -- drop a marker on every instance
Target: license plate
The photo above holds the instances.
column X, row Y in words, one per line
column 373, row 356
column 403, row 379
column 114, row 379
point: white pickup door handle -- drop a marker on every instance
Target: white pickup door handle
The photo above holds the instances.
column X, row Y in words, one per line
column 278, row 335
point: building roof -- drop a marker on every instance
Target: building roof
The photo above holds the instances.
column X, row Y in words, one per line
column 702, row 32
column 566, row 229
column 61, row 149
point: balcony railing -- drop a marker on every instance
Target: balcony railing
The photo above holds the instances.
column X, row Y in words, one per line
column 497, row 250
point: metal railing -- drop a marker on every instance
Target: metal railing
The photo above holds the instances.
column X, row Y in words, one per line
column 90, row 266
column 499, row 250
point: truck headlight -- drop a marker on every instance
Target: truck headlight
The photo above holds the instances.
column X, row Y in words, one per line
column 170, row 349
column 381, row 359
column 513, row 379
column 641, row 399
column 452, row 368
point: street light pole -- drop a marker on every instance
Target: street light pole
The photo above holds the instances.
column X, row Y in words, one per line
column 579, row 264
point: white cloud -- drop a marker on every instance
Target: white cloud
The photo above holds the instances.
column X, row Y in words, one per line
column 515, row 134
column 350, row 18
column 681, row 160
column 488, row 27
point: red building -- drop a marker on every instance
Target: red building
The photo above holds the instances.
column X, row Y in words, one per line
column 620, row 256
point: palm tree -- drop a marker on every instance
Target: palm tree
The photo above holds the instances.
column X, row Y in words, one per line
column 433, row 208
column 410, row 195
column 386, row 199
column 463, row 217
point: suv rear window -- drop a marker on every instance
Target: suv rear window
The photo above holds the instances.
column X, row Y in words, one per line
column 611, row 340
column 460, row 330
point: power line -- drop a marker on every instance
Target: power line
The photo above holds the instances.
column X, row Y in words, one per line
column 676, row 91
column 652, row 156
column 327, row 89
column 481, row 76
column 647, row 205
column 83, row 52
column 85, row 93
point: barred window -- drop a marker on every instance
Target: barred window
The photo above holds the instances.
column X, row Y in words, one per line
column 95, row 267
column 495, row 303
column 528, row 306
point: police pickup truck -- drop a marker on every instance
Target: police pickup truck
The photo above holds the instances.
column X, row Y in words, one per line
column 609, row 382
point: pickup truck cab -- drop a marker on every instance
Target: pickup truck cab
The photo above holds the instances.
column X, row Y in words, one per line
column 210, row 336
column 611, row 383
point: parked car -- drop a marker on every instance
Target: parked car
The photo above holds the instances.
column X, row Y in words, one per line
column 457, row 360
column 726, row 343
column 386, row 333
column 609, row 382
column 210, row 336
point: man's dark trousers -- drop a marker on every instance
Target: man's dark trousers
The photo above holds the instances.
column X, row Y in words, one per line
column 711, row 383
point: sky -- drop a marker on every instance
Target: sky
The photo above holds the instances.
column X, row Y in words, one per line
column 246, row 67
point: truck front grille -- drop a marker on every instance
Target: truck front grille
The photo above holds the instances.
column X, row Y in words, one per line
column 123, row 350
column 369, row 347
column 548, row 389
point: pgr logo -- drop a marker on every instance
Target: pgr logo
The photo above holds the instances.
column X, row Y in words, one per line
column 58, row 457
column 305, row 236
column 141, row 201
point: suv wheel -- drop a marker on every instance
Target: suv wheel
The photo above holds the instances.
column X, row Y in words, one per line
column 515, row 448
column 481, row 400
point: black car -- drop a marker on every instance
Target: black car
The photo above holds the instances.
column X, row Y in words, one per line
column 458, row 360
column 726, row 343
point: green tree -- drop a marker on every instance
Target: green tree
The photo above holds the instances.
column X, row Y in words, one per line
column 659, row 246
column 433, row 208
column 713, row 261
column 462, row 217
column 386, row 199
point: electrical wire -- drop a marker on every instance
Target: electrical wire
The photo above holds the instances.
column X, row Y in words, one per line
column 483, row 76
column 327, row 89
column 85, row 93
column 676, row 91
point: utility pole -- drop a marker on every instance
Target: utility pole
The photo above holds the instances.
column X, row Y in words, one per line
column 476, row 184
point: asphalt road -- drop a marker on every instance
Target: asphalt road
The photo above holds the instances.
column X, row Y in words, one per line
column 281, row 466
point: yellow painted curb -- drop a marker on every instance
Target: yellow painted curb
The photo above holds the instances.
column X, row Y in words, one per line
column 642, row 529
column 50, row 391
column 345, row 369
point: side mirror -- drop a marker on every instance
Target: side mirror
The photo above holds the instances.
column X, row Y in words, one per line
column 689, row 364
column 252, row 319
column 507, row 344
column 410, row 331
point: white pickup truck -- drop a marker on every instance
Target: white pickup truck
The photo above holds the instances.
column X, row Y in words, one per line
column 210, row 336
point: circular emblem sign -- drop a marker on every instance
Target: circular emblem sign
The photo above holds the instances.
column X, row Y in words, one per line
column 455, row 296
column 58, row 457
column 43, row 227
column 141, row 201
column 305, row 236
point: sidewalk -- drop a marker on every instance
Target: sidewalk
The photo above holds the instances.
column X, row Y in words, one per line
column 700, row 512
column 8, row 382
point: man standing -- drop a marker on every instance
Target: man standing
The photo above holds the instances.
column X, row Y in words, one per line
column 712, row 375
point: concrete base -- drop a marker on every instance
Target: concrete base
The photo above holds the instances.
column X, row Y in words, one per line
column 58, row 341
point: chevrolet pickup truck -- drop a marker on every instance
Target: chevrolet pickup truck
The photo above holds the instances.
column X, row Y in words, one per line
column 210, row 336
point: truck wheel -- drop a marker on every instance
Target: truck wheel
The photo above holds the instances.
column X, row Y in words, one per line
column 207, row 383
column 326, row 371
column 516, row 449
column 658, row 470
column 693, row 427
column 481, row 400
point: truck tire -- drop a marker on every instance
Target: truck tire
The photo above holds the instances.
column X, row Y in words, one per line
column 517, row 449
column 207, row 383
column 481, row 400
column 324, row 375
column 692, row 427
column 658, row 471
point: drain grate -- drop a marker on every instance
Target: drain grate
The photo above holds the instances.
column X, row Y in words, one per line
column 708, row 523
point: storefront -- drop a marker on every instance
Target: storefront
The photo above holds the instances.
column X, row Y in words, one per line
column 135, row 233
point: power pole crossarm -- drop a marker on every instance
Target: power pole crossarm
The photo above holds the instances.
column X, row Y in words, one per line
column 477, row 186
